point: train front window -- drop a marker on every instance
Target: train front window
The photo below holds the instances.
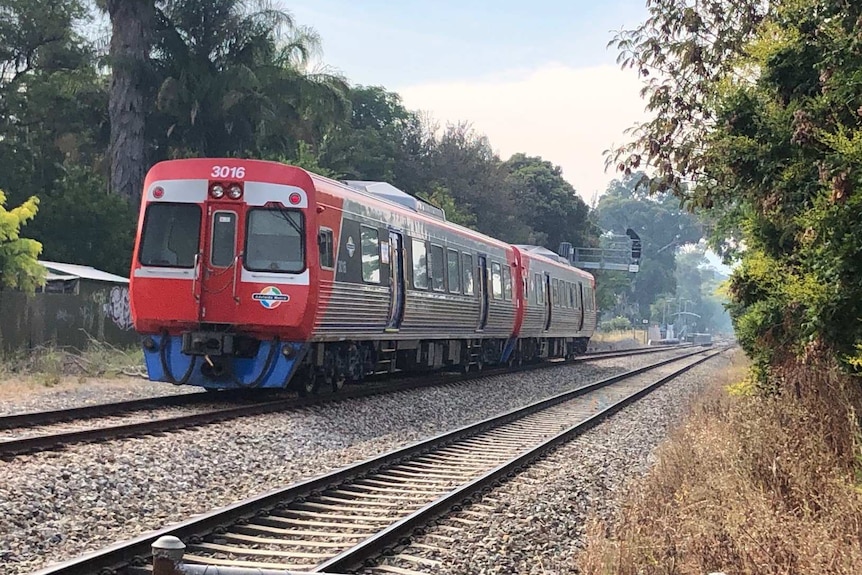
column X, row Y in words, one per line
column 171, row 235
column 223, row 239
column 275, row 241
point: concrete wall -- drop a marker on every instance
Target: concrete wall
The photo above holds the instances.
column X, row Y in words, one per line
column 100, row 310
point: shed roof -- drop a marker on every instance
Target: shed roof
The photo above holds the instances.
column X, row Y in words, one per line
column 71, row 271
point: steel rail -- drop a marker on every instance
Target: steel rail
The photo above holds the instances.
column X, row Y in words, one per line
column 133, row 554
column 35, row 443
column 400, row 532
column 39, row 418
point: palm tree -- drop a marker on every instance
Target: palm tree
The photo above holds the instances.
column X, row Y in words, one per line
column 234, row 79
column 215, row 78
column 131, row 22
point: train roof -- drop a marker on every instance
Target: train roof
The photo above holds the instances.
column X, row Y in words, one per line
column 403, row 202
column 543, row 253
column 390, row 193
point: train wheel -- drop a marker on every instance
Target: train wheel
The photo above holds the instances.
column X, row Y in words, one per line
column 308, row 384
column 337, row 383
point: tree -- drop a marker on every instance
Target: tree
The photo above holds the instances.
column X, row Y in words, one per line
column 381, row 141
column 131, row 40
column 762, row 115
column 464, row 163
column 548, row 203
column 662, row 227
column 19, row 266
column 232, row 81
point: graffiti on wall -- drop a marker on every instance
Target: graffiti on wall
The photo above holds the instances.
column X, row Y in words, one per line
column 117, row 308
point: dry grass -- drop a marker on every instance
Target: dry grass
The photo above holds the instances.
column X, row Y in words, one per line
column 619, row 335
column 748, row 485
column 49, row 366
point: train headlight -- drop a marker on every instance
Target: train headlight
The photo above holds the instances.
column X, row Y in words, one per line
column 235, row 191
column 217, row 191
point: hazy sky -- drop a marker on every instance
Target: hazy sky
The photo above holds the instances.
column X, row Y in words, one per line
column 535, row 77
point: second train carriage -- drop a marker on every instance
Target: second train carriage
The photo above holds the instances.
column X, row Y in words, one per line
column 257, row 274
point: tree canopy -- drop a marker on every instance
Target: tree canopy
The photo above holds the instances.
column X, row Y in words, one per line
column 81, row 120
column 758, row 110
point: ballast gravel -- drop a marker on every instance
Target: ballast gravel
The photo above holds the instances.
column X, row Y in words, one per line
column 534, row 524
column 57, row 505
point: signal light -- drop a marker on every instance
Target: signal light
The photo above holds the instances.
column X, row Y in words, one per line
column 235, row 191
column 217, row 191
column 158, row 192
column 294, row 198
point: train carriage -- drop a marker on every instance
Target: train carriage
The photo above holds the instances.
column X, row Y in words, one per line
column 257, row 274
column 559, row 306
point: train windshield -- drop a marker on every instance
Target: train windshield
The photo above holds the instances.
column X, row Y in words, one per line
column 275, row 241
column 171, row 235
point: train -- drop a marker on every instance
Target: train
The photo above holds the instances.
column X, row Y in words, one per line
column 261, row 275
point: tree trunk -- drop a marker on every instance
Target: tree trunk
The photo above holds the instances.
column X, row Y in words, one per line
column 132, row 22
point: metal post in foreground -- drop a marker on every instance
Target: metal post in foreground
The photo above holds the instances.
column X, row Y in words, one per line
column 168, row 554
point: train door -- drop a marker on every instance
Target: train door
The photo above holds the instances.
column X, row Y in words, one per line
column 396, row 281
column 580, row 296
column 483, row 292
column 217, row 265
column 549, row 304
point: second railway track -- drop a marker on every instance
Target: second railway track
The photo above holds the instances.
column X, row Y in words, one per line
column 339, row 521
column 18, row 441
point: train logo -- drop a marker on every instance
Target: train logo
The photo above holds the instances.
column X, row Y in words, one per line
column 270, row 297
column 351, row 247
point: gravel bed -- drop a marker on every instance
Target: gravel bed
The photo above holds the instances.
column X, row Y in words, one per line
column 58, row 505
column 534, row 524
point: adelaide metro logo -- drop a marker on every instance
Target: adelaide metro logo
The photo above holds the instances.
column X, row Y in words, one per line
column 270, row 297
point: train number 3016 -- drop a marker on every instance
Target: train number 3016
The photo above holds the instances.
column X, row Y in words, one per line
column 228, row 172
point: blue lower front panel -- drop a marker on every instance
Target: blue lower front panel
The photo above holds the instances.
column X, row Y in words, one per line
column 270, row 368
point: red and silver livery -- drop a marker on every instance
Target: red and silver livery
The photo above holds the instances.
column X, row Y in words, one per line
column 258, row 274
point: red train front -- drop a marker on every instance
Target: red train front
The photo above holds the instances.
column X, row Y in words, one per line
column 221, row 274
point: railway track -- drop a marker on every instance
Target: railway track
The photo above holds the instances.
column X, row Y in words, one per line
column 341, row 521
column 18, row 443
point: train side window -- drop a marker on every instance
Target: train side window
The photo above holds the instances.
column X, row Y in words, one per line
column 453, row 262
column 420, row 265
column 325, row 245
column 370, row 255
column 469, row 288
column 507, row 283
column 540, row 289
column 497, row 280
column 438, row 267
column 555, row 292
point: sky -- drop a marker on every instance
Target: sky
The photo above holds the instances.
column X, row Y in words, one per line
column 536, row 77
